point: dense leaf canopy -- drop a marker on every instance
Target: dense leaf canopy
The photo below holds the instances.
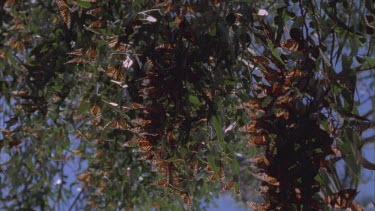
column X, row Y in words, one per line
column 159, row 104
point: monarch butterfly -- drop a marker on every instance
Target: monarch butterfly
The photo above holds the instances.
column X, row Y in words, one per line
column 228, row 186
column 161, row 166
column 271, row 76
column 259, row 139
column 176, row 181
column 76, row 52
column 208, row 168
column 119, row 124
column 141, row 122
column 78, row 60
column 112, row 41
column 115, row 73
column 284, row 114
column 94, row 11
column 97, row 24
column 92, row 203
column 191, row 8
column 216, row 2
column 64, row 12
column 269, row 179
column 185, row 196
column 260, row 161
column 165, row 47
column 3, row 54
column 262, row 60
column 285, row 99
column 160, row 163
column 251, row 128
column 99, row 154
column 178, row 20
column 95, row 110
column 194, row 167
column 8, row 5
column 85, row 177
column 290, row 45
column 296, row 72
column 221, row 171
column 16, row 44
column 17, row 26
column 163, row 183
column 91, row 53
column 22, row 94
column 294, row 76
column 144, row 145
column 170, row 138
column 212, row 176
column 115, row 44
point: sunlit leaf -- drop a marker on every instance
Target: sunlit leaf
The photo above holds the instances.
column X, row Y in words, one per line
column 371, row 61
column 84, row 4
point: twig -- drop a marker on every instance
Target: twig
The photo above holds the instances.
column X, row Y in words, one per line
column 365, row 69
column 75, row 200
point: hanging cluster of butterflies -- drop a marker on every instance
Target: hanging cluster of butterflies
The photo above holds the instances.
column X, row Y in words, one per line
column 153, row 141
column 151, row 135
column 276, row 110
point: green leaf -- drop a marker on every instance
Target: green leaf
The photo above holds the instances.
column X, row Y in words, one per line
column 371, row 61
column 212, row 31
column 38, row 185
column 235, row 167
column 96, row 31
column 29, row 163
column 341, row 46
column 84, row 4
column 214, row 166
column 319, row 179
column 53, row 116
column 266, row 102
column 83, row 107
column 274, row 51
column 347, row 62
column 350, row 141
column 12, row 60
column 217, row 126
column 66, row 142
column 194, row 100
